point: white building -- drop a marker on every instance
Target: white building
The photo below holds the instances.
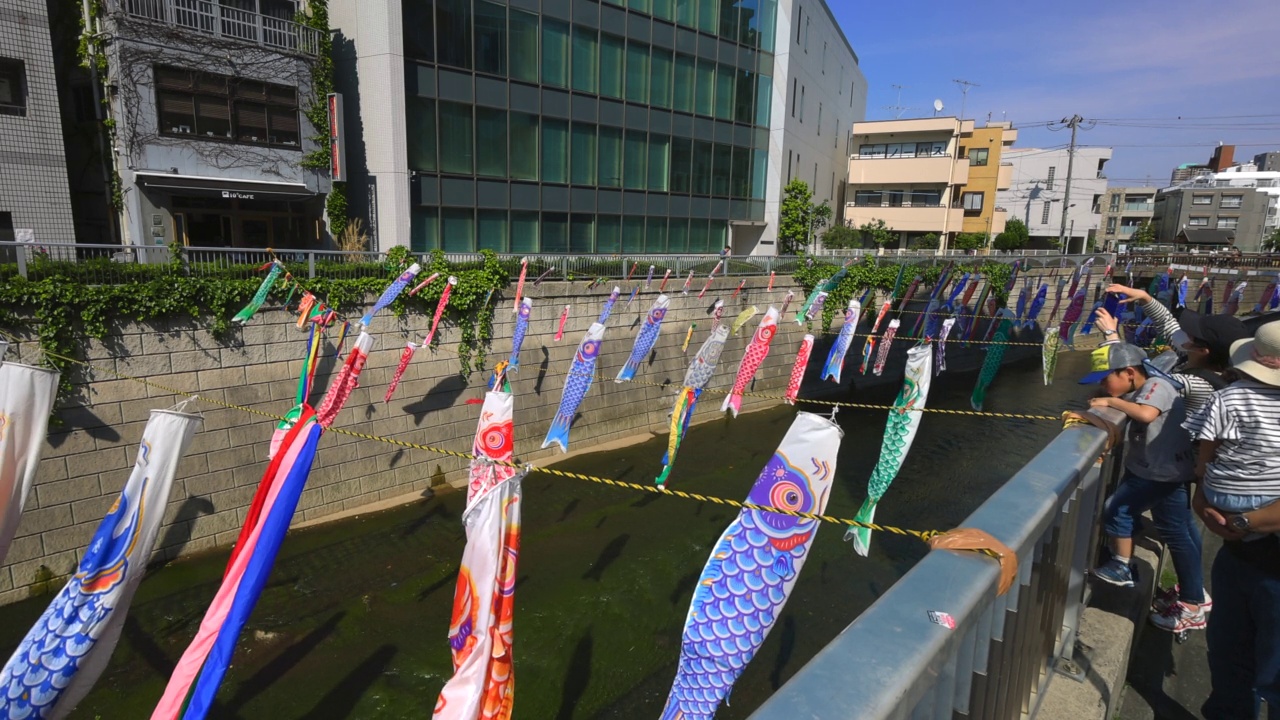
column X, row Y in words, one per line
column 1039, row 188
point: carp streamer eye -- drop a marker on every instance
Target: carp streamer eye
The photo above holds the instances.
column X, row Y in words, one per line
column 786, row 496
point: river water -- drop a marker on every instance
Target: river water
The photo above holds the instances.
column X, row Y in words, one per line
column 354, row 618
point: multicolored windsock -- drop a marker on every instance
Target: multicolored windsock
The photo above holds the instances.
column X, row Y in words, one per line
column 756, row 352
column 950, row 305
column 1037, row 304
column 306, row 379
column 1057, row 300
column 26, row 401
column 995, row 355
column 347, row 381
column 1049, row 356
column 440, row 308
column 835, row 358
column 199, row 672
column 260, row 296
column 67, row 649
column 899, row 434
column 752, row 569
column 564, row 315
column 524, row 269
column 1072, row 314
column 581, row 374
column 1204, row 292
column 911, row 293
column 942, row 344
column 695, row 379
column 481, row 632
column 607, row 309
column 517, row 339
column 1022, row 302
column 804, row 314
column 932, row 305
column 869, row 346
column 645, row 339
column 886, row 342
column 797, row 370
column 392, row 292
column 743, row 318
column 342, row 339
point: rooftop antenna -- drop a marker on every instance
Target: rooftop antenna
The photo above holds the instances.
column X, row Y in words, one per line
column 897, row 107
column 964, row 91
column 937, row 107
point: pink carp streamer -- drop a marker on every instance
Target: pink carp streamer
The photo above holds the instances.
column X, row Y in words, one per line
column 687, row 282
column 771, row 274
column 797, row 370
column 440, row 307
column 346, row 382
column 716, row 269
column 717, row 314
column 524, row 269
column 665, row 277
column 786, row 301
column 756, row 352
column 740, row 286
column 405, row 356
column 423, row 284
column 543, row 276
column 631, row 272
column 706, row 287
column 885, row 343
column 560, row 331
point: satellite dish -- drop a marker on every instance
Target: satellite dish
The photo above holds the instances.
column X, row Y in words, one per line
column 937, row 105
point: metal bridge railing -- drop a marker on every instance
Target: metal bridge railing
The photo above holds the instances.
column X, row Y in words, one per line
column 1215, row 260
column 997, row 663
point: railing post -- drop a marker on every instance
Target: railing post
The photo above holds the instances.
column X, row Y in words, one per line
column 311, row 264
column 22, row 261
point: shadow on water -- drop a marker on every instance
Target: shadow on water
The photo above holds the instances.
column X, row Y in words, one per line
column 787, row 645
column 340, row 701
column 608, row 555
column 282, row 663
column 578, row 677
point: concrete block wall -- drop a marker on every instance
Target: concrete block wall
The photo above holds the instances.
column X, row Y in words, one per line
column 87, row 460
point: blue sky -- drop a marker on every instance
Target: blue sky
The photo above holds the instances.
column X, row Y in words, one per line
column 1137, row 66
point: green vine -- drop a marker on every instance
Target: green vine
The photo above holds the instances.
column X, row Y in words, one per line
column 336, row 207
column 67, row 305
column 870, row 274
column 317, row 111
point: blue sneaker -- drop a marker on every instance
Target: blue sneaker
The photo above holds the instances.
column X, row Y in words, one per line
column 1116, row 573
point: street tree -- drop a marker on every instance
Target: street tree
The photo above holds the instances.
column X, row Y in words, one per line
column 1014, row 237
column 969, row 241
column 841, row 237
column 929, row 241
column 1144, row 235
column 796, row 214
column 877, row 233
column 1272, row 242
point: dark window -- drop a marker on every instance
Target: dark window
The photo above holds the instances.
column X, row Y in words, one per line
column 453, row 17
column 419, row 29
column 13, row 87
column 491, row 38
column 218, row 107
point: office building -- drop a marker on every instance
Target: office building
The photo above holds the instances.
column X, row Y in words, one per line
column 1124, row 210
column 208, row 103
column 35, row 203
column 1267, row 161
column 928, row 176
column 583, row 126
column 1242, row 202
column 1039, row 187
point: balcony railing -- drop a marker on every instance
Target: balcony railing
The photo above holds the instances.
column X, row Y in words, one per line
column 1140, row 207
column 210, row 18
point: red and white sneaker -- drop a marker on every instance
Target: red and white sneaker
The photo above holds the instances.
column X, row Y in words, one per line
column 1167, row 596
column 1178, row 618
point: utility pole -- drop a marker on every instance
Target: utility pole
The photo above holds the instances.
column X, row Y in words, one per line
column 964, row 93
column 1072, row 122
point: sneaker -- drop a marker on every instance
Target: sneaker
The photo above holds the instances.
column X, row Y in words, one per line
column 1115, row 572
column 1178, row 618
column 1168, row 596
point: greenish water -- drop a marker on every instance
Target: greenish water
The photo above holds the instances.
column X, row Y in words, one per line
column 353, row 621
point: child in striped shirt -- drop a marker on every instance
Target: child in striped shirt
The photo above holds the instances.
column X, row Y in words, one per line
column 1239, row 433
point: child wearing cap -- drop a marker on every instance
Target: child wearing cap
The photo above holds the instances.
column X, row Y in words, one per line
column 1203, row 342
column 1158, row 469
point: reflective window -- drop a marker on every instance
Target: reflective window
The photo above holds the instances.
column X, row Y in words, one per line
column 749, row 23
column 717, row 234
column 555, row 232
column 457, row 229
column 698, row 239
column 741, row 182
column 585, row 69
column 608, row 234
column 724, row 92
column 721, row 169
column 745, row 88
column 456, row 141
column 678, row 236
column 705, row 93
column 610, row 174
column 759, row 171
column 424, row 229
column 555, row 53
column 681, row 162
column 768, row 23
column 524, row 146
column 524, row 45
column 611, row 65
column 664, row 9
column 686, row 12
column 708, row 16
column 555, row 151
column 684, row 83
column 702, row 152
column 728, row 19
column 637, row 72
column 641, row 5
column 491, row 37
column 491, row 142
column 582, row 234
column 419, row 29
column 659, row 162
column 524, row 232
column 583, row 154
column 655, row 240
column 491, row 226
column 421, row 132
column 660, row 78
column 634, row 175
column 453, row 18
column 633, row 234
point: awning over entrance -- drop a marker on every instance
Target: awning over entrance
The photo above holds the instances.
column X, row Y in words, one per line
column 225, row 187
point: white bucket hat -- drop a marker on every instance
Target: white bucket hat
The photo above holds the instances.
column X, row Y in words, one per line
column 1259, row 356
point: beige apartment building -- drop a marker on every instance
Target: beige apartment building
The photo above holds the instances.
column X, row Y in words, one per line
column 927, row 176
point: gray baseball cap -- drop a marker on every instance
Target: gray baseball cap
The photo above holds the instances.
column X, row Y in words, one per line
column 1111, row 357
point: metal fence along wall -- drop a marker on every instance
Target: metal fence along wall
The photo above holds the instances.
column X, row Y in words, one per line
column 997, row 662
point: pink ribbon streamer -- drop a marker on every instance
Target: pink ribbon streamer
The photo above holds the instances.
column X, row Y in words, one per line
column 524, row 269
column 634, row 265
column 663, row 286
column 444, row 302
column 423, row 284
column 706, row 287
column 740, row 286
column 771, row 273
column 563, row 317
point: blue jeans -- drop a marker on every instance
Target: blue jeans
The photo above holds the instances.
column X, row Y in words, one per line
column 1243, row 637
column 1170, row 506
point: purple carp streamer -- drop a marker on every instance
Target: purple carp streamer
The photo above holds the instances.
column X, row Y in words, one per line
column 576, row 385
column 752, row 569
column 517, row 339
column 886, row 342
column 835, row 358
column 608, row 305
column 645, row 339
column 392, row 292
column 751, row 360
